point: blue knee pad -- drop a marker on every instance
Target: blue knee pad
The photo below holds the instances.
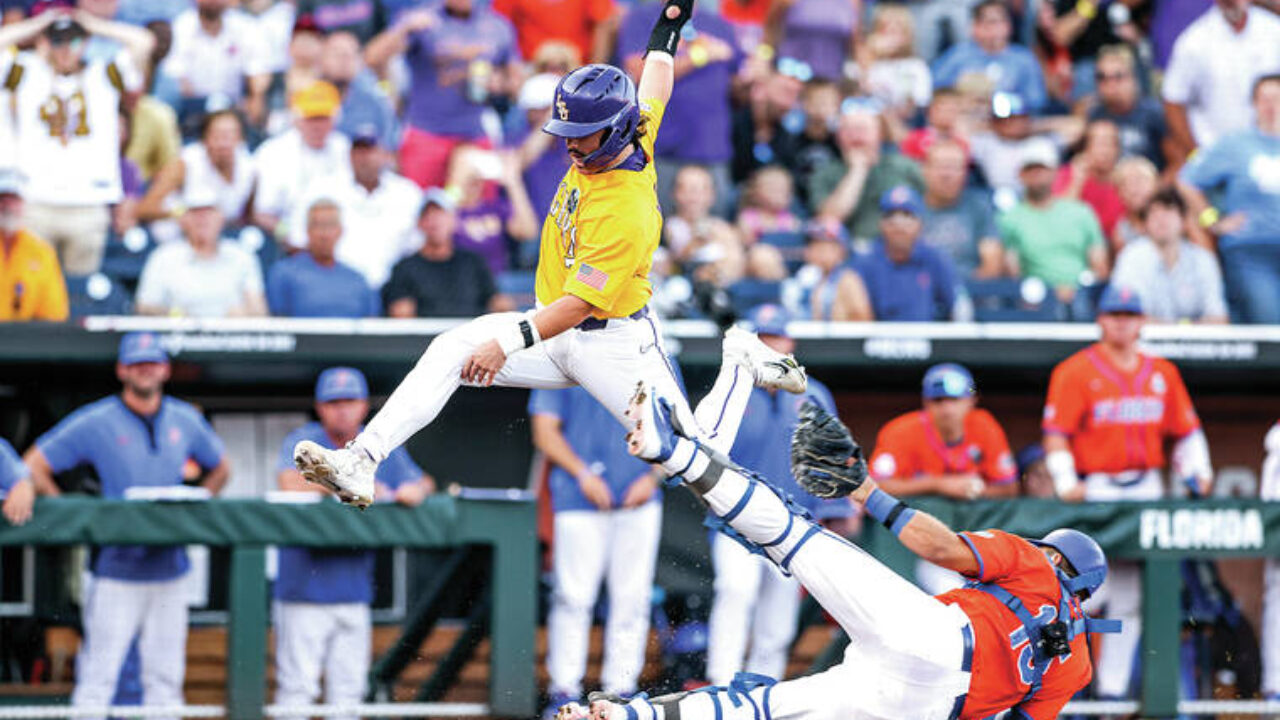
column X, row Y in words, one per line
column 754, row 480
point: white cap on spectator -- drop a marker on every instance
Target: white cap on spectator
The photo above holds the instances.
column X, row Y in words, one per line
column 198, row 195
column 538, row 92
column 1039, row 153
column 10, row 181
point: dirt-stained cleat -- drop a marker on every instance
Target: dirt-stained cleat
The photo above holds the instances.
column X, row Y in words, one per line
column 769, row 368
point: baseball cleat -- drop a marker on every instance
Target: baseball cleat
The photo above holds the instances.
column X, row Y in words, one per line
column 769, row 368
column 348, row 472
column 573, row 711
column 652, row 436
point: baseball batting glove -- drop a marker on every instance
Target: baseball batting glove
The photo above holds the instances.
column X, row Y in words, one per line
column 825, row 459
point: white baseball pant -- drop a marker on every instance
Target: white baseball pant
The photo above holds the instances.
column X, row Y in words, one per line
column 620, row 548
column 115, row 611
column 935, row 579
column 755, row 604
column 1270, row 640
column 907, row 650
column 1121, row 594
column 607, row 363
column 333, row 640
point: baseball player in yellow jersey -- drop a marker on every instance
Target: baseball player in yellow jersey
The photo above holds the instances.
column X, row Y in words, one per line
column 592, row 326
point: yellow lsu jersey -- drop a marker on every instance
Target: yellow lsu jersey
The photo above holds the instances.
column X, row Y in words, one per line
column 599, row 237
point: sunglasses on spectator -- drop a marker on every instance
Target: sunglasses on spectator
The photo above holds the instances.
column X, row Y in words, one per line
column 1104, row 77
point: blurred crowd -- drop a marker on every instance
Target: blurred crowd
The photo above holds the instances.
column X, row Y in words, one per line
column 928, row 160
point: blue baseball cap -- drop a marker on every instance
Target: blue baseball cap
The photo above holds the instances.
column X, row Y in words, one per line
column 947, row 380
column 900, row 198
column 341, row 383
column 1120, row 299
column 141, row 347
column 769, row 319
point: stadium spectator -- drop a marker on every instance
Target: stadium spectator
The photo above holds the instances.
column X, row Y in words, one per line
column 1269, row 640
column 278, row 22
column 322, row 596
column 747, row 18
column 951, row 448
column 1108, row 413
column 1177, row 280
column 124, row 214
column 1083, row 29
column 760, row 125
column 996, row 152
column 818, row 36
column 154, row 138
column 756, row 606
column 587, row 25
column 218, row 51
column 439, row 280
column 1052, row 238
column 63, row 111
column 492, row 205
column 299, row 68
column 939, row 25
column 816, row 141
column 378, row 209
column 135, row 440
column 607, row 519
column 1206, row 86
column 767, row 206
column 1009, row 68
column 204, row 276
column 361, row 18
column 220, row 162
column 1168, row 20
column 833, row 290
column 956, row 219
column 889, row 71
column 697, row 126
column 1119, row 99
column 708, row 248
column 1244, row 167
column 16, row 488
column 1088, row 175
column 944, row 120
column 313, row 283
column 1034, row 479
column 1137, row 181
column 906, row 279
column 363, row 102
column 31, row 284
column 459, row 55
column 311, row 149
column 543, row 160
column 848, row 188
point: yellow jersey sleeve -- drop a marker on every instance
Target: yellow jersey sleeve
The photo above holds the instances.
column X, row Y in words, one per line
column 651, row 112
column 611, row 256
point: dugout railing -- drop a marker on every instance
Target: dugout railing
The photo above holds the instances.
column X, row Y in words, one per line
column 1160, row 534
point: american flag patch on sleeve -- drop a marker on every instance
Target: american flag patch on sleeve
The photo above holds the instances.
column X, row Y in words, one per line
column 592, row 277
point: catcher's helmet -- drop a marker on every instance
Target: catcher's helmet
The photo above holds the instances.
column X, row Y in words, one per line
column 591, row 98
column 1085, row 556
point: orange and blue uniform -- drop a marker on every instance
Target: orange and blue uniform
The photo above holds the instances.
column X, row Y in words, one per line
column 600, row 235
column 909, row 446
column 1116, row 420
column 1002, row 653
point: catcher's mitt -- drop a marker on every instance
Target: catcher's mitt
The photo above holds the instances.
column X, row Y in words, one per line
column 825, row 459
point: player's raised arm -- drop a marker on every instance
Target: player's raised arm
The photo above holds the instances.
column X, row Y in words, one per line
column 659, row 74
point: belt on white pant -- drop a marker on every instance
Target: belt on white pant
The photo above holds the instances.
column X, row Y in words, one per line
column 594, row 323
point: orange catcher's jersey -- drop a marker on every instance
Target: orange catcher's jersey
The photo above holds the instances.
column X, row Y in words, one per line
column 1117, row 421
column 909, row 445
column 600, row 234
column 1001, row 650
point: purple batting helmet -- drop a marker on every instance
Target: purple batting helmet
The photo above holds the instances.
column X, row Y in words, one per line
column 591, row 98
column 1085, row 556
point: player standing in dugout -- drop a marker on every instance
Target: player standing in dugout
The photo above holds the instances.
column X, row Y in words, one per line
column 592, row 326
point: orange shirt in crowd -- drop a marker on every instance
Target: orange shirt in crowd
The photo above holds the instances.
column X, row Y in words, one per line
column 909, row 445
column 1001, row 654
column 1117, row 421
column 571, row 21
column 31, row 283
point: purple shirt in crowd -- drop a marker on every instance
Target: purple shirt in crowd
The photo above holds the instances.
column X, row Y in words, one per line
column 441, row 60
column 697, row 123
column 1168, row 21
column 130, row 178
column 817, row 32
column 482, row 231
column 542, row 178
